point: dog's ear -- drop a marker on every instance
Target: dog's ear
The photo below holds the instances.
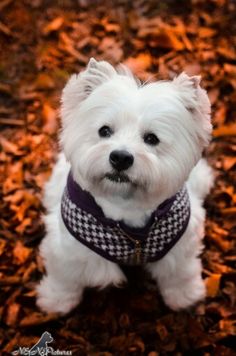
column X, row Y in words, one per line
column 193, row 96
column 196, row 100
column 80, row 86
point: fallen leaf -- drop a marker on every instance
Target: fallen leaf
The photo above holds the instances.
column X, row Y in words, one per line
column 228, row 325
column 37, row 319
column 111, row 50
column 21, row 253
column 228, row 162
column 54, row 25
column 68, row 46
column 4, row 29
column 162, row 331
column 213, row 96
column 23, row 225
column 168, row 39
column 140, row 63
column 220, row 116
column 12, row 314
column 226, row 52
column 14, row 178
column 2, row 246
column 10, row 147
column 225, row 130
column 5, row 89
column 10, row 280
column 50, row 119
column 44, row 82
column 206, row 32
column 212, row 284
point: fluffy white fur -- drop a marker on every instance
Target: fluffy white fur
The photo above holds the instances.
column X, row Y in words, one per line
column 178, row 112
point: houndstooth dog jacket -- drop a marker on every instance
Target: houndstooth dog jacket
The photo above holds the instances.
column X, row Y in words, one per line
column 116, row 241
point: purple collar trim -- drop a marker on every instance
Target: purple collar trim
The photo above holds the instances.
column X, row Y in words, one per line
column 86, row 202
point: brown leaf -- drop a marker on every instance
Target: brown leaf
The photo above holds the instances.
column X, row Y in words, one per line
column 21, row 206
column 44, row 82
column 225, row 130
column 54, row 25
column 213, row 95
column 161, row 331
column 68, row 45
column 28, row 271
column 15, row 197
column 2, row 246
column 220, row 115
column 206, row 32
column 230, row 291
column 228, row 162
column 50, row 119
column 12, row 314
column 4, row 29
column 42, row 178
column 229, row 211
column 226, row 52
column 37, row 319
column 168, row 39
column 212, row 284
column 10, row 147
column 23, row 225
column 5, row 89
column 4, row 3
column 14, row 179
column 192, row 69
column 111, row 50
column 230, row 69
column 229, row 326
column 21, row 253
column 13, row 122
column 11, row 345
column 124, row 321
column 10, row 280
column 140, row 63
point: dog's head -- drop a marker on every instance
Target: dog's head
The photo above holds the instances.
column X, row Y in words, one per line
column 131, row 140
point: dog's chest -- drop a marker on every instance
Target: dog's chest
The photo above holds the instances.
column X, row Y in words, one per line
column 121, row 244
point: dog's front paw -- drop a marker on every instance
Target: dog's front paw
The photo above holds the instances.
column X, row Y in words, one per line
column 52, row 298
column 185, row 295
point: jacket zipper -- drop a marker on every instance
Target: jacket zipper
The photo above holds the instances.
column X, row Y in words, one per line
column 137, row 246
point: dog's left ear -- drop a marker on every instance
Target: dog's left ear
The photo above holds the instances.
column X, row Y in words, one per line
column 80, row 86
column 196, row 100
column 194, row 97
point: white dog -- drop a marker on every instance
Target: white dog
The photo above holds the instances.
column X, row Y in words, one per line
column 128, row 188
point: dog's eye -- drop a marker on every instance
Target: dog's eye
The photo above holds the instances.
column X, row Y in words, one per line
column 105, row 131
column 151, row 139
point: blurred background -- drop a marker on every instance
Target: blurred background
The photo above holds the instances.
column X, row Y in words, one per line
column 42, row 42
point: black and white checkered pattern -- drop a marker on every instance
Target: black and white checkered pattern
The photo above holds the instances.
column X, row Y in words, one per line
column 167, row 229
column 114, row 244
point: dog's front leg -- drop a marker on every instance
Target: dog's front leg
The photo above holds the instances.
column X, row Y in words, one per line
column 70, row 269
column 61, row 288
column 178, row 275
column 60, row 292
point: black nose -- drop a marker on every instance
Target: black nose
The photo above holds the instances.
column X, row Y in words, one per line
column 121, row 160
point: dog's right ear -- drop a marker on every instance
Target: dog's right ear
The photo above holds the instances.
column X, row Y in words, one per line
column 80, row 86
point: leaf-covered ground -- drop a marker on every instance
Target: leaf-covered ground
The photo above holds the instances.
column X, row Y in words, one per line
column 41, row 44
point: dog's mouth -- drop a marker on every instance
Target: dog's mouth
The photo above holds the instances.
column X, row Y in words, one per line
column 118, row 177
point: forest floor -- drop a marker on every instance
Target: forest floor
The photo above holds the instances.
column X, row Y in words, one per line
column 41, row 44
